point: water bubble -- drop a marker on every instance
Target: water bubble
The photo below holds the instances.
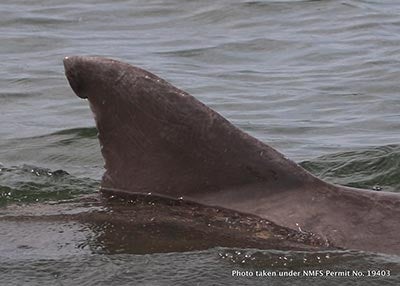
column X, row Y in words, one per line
column 298, row 226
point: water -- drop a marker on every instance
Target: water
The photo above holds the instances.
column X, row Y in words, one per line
column 318, row 80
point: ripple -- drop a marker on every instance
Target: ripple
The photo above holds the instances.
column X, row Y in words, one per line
column 366, row 168
column 76, row 150
column 26, row 184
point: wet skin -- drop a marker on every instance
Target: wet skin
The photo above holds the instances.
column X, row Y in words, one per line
column 156, row 138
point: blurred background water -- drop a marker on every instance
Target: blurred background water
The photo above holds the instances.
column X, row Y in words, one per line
column 318, row 80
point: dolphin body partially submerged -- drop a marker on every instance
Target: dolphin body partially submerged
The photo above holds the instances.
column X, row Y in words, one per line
column 158, row 139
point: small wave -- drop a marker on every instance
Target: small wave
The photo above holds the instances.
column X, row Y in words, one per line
column 89, row 132
column 27, row 183
column 76, row 150
column 369, row 168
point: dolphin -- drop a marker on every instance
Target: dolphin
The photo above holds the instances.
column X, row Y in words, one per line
column 157, row 139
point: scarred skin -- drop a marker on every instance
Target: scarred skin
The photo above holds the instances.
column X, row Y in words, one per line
column 158, row 139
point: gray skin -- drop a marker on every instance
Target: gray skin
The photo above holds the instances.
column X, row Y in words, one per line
column 156, row 138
